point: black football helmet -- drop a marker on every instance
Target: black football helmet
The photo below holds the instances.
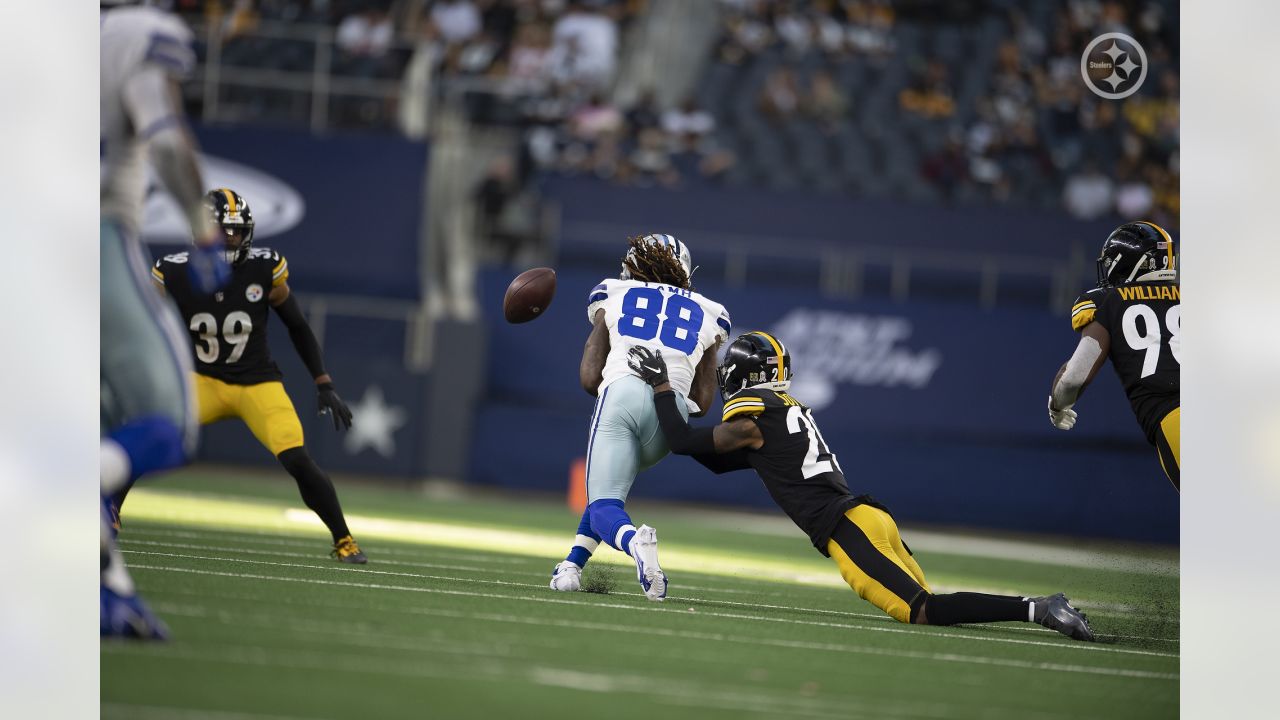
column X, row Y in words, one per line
column 232, row 215
column 756, row 359
column 1133, row 252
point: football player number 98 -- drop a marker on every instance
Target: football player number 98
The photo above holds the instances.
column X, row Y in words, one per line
column 235, row 331
column 1148, row 339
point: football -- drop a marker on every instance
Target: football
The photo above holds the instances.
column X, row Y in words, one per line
column 529, row 295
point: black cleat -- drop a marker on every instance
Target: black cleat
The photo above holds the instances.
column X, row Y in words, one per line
column 1055, row 613
column 347, row 551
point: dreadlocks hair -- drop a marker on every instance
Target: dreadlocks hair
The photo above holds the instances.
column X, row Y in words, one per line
column 651, row 262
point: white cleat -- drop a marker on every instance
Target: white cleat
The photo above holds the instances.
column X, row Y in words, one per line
column 644, row 550
column 567, row 577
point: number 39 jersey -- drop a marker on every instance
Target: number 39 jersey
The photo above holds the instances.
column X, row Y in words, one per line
column 1144, row 321
column 228, row 328
column 681, row 323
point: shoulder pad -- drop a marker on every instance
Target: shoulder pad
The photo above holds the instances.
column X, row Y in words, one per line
column 748, row 403
column 598, row 293
column 1085, row 307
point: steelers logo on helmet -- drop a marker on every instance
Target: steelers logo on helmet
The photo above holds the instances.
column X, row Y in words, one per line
column 233, row 217
column 1136, row 252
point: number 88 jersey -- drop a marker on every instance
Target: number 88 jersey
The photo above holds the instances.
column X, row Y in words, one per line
column 228, row 328
column 681, row 323
column 1144, row 321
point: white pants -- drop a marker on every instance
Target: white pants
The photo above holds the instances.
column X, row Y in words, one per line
column 625, row 438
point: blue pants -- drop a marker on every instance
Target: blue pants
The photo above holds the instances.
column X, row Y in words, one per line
column 625, row 438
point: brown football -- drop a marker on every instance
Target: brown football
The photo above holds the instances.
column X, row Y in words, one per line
column 529, row 295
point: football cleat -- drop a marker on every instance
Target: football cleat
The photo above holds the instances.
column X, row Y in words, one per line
column 566, row 577
column 129, row 617
column 347, row 551
column 1055, row 613
column 644, row 550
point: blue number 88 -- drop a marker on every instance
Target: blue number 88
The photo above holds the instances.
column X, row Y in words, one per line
column 640, row 319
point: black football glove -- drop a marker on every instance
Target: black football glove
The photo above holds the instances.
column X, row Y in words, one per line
column 333, row 405
column 648, row 365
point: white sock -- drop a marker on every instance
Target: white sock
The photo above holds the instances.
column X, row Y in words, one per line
column 586, row 543
column 114, row 465
column 617, row 539
column 1031, row 611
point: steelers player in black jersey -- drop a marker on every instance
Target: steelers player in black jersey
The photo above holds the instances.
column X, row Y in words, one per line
column 1133, row 317
column 765, row 429
column 235, row 375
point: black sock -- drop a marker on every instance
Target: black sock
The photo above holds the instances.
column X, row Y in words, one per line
column 316, row 490
column 969, row 607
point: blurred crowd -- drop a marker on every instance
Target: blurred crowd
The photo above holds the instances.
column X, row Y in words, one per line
column 975, row 101
column 956, row 102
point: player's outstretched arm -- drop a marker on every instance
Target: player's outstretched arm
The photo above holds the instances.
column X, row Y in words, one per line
column 152, row 99
column 720, row 448
column 594, row 354
column 304, row 341
column 1076, row 374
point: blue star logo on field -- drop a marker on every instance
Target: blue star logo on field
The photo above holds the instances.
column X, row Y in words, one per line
column 1114, row 66
column 375, row 424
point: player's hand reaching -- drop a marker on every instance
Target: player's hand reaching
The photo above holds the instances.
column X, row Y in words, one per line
column 648, row 365
column 1063, row 419
column 333, row 405
column 208, row 268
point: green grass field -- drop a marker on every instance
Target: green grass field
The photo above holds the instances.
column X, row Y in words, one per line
column 453, row 618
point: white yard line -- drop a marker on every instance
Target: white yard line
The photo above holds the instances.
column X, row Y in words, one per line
column 833, row 647
column 788, row 608
column 493, row 670
column 1088, row 647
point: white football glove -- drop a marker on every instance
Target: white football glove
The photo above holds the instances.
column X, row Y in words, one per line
column 1063, row 419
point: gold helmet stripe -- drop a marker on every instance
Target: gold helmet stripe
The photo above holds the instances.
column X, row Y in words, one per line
column 231, row 201
column 1168, row 241
column 777, row 348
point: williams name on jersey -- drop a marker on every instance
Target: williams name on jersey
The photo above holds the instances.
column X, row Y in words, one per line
column 229, row 328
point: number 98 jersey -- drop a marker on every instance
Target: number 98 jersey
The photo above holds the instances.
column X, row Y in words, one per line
column 228, row 328
column 681, row 323
column 1144, row 320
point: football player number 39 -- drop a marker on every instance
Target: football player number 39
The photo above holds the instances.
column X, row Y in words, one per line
column 641, row 311
column 1148, row 338
column 235, row 331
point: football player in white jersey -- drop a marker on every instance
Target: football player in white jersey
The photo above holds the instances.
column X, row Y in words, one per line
column 148, row 412
column 653, row 303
